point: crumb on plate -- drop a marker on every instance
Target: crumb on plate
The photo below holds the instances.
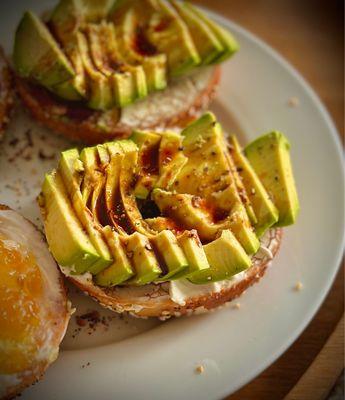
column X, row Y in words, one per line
column 293, row 101
column 199, row 369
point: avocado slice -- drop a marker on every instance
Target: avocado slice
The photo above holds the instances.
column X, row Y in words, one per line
column 70, row 172
column 188, row 241
column 170, row 255
column 227, row 201
column 170, row 159
column 193, row 212
column 226, row 258
column 126, row 88
column 145, row 138
column 112, row 195
column 95, row 11
column 194, row 252
column 148, row 168
column 128, row 146
column 91, row 176
column 187, row 211
column 126, row 185
column 269, row 155
column 112, row 169
column 229, row 43
column 68, row 242
column 241, row 189
column 37, row 55
column 70, row 15
column 159, row 224
column 207, row 170
column 95, row 160
column 206, row 41
column 142, row 256
column 135, row 48
column 72, row 90
column 66, row 19
column 265, row 211
column 207, row 173
column 101, row 93
column 170, row 35
column 121, row 270
column 103, row 155
column 133, row 83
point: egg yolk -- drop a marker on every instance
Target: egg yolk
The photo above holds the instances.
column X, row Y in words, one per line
column 21, row 289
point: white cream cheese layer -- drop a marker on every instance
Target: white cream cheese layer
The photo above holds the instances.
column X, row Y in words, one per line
column 181, row 289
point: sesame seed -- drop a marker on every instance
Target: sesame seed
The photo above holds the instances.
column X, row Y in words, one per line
column 237, row 306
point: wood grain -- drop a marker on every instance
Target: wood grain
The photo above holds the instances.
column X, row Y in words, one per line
column 320, row 377
column 309, row 34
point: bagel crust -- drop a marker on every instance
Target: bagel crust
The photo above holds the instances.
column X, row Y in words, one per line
column 155, row 300
column 177, row 105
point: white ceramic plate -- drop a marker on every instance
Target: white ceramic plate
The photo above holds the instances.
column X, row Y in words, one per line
column 233, row 345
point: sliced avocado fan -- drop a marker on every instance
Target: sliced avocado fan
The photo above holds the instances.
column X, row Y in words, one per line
column 191, row 221
column 110, row 53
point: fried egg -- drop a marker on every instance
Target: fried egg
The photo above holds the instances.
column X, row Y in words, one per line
column 34, row 310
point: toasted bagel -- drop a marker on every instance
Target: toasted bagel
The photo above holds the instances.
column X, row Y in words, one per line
column 6, row 93
column 156, row 300
column 181, row 102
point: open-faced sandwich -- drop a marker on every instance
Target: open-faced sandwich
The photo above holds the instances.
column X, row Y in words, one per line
column 165, row 224
column 95, row 70
column 33, row 304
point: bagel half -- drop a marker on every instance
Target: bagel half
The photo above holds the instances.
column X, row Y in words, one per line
column 177, row 105
column 158, row 300
column 38, row 343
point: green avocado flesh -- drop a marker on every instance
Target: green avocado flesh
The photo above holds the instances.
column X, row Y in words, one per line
column 207, row 44
column 109, row 54
column 37, row 55
column 269, row 156
column 266, row 213
column 165, row 206
column 208, row 175
column 228, row 42
column 68, row 242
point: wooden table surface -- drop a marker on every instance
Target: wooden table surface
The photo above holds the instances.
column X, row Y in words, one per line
column 309, row 34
